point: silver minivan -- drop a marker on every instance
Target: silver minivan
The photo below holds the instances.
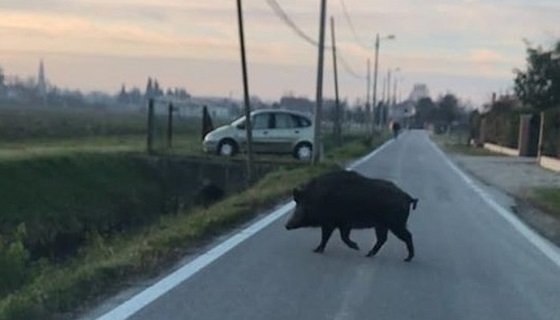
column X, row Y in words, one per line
column 274, row 131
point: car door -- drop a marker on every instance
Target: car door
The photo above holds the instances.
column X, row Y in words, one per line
column 285, row 132
column 262, row 123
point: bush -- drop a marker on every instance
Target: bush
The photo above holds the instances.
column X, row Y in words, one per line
column 14, row 259
column 502, row 126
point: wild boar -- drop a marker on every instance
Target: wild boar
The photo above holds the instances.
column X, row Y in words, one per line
column 208, row 193
column 347, row 200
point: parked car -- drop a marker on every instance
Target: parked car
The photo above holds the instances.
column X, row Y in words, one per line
column 274, row 131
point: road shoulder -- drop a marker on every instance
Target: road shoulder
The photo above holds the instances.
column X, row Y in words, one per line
column 514, row 178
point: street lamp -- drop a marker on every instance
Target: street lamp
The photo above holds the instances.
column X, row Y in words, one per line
column 376, row 67
column 395, row 85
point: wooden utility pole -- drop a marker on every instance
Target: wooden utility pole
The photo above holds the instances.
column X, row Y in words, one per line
column 369, row 107
column 337, row 129
column 375, row 71
column 248, row 126
column 319, row 96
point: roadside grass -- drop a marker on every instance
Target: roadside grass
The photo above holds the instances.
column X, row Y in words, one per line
column 105, row 263
column 548, row 199
column 457, row 145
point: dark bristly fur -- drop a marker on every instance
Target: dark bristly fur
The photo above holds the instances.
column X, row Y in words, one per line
column 345, row 200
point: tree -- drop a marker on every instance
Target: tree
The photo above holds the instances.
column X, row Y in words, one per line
column 122, row 97
column 449, row 109
column 149, row 89
column 2, row 80
column 425, row 109
column 539, row 85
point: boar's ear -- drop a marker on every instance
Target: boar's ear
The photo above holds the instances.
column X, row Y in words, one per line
column 298, row 194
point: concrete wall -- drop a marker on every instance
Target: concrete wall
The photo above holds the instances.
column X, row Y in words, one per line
column 550, row 163
column 500, row 149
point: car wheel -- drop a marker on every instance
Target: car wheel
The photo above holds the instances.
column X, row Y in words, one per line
column 303, row 151
column 227, row 148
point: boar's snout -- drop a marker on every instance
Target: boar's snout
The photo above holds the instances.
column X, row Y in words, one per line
column 296, row 220
column 291, row 224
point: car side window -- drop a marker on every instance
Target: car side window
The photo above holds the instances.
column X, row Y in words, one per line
column 303, row 122
column 285, row 121
column 261, row 121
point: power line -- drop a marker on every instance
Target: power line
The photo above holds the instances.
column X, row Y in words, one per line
column 288, row 21
column 279, row 11
column 351, row 25
column 347, row 67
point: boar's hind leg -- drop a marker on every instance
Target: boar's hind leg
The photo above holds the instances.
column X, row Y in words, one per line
column 381, row 234
column 405, row 236
column 326, row 232
column 345, row 236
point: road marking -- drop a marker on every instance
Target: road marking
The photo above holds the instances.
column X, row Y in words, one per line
column 148, row 295
column 542, row 244
column 371, row 155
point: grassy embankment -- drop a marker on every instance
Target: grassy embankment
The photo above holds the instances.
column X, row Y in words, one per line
column 456, row 144
column 77, row 225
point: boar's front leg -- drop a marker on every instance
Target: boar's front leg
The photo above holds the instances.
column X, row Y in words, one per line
column 381, row 234
column 345, row 236
column 326, row 232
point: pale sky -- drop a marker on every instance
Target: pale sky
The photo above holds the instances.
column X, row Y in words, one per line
column 468, row 47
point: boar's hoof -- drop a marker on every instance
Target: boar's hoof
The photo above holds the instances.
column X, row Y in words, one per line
column 354, row 245
column 370, row 254
column 319, row 249
column 408, row 259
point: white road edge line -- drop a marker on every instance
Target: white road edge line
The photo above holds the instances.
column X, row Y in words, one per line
column 148, row 295
column 542, row 244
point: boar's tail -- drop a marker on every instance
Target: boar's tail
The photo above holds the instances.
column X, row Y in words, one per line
column 414, row 203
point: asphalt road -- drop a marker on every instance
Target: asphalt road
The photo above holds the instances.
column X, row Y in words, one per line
column 471, row 262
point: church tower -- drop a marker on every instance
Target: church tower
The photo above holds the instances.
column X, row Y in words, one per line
column 41, row 81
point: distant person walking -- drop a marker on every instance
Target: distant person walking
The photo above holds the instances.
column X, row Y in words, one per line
column 396, row 128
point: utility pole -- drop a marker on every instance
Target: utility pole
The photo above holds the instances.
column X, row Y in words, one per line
column 368, row 107
column 395, row 91
column 337, row 130
column 375, row 70
column 319, row 97
column 377, row 39
column 388, row 104
column 248, row 126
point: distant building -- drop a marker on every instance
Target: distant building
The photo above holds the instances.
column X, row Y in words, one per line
column 418, row 92
column 218, row 108
column 407, row 109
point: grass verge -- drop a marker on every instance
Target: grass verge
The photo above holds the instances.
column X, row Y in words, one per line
column 547, row 199
column 105, row 263
column 451, row 144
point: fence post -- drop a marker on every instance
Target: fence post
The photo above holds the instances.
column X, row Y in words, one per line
column 482, row 133
column 150, row 136
column 541, row 138
column 524, row 135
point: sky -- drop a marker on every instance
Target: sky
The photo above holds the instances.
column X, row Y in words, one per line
column 466, row 47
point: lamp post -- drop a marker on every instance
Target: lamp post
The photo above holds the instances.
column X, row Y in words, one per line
column 376, row 65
